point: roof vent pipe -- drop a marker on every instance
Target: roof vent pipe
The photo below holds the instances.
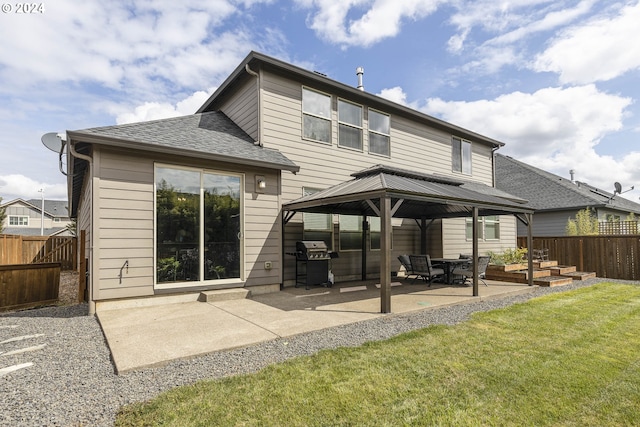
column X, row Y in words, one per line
column 572, row 173
column 359, row 73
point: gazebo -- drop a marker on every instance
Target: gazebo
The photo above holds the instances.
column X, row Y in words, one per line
column 388, row 192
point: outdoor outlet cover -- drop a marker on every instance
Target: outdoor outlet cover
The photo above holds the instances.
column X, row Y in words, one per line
column 267, row 265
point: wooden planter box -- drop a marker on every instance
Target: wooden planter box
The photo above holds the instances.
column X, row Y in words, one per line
column 506, row 267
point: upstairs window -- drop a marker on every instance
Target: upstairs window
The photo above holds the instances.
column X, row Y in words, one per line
column 316, row 115
column 461, row 156
column 379, row 125
column 349, row 125
column 18, row 221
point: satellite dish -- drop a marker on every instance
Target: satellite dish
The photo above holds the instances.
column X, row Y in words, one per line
column 618, row 187
column 52, row 141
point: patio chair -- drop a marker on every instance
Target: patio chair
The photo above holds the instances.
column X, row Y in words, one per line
column 540, row 254
column 466, row 270
column 406, row 263
column 422, row 267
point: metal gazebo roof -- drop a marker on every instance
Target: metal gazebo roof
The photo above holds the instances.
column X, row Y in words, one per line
column 422, row 195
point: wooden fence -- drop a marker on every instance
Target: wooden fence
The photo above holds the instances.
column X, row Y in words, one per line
column 28, row 285
column 39, row 249
column 611, row 256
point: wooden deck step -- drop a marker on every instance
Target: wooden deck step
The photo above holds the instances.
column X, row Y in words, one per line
column 579, row 275
column 561, row 270
column 552, row 281
column 544, row 264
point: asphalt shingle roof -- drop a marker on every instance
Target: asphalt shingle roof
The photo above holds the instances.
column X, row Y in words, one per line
column 546, row 191
column 56, row 208
column 204, row 135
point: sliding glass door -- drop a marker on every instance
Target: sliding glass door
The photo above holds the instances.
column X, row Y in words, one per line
column 198, row 226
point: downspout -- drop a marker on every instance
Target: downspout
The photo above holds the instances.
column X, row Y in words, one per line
column 88, row 159
column 493, row 166
column 257, row 76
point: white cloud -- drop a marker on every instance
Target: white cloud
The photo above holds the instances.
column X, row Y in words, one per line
column 16, row 186
column 376, row 19
column 599, row 50
column 556, row 129
column 550, row 120
column 140, row 47
column 161, row 110
column 395, row 94
column 497, row 34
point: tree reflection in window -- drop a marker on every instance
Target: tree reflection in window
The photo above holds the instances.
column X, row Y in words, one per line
column 191, row 246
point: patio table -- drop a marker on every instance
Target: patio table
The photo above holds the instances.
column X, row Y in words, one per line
column 449, row 265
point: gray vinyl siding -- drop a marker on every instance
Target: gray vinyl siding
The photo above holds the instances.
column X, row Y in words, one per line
column 456, row 243
column 548, row 223
column 414, row 146
column 243, row 108
column 125, row 214
column 84, row 214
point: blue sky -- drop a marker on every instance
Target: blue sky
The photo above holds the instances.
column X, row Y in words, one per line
column 557, row 81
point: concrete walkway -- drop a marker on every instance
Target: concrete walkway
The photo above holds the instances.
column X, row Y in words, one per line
column 149, row 332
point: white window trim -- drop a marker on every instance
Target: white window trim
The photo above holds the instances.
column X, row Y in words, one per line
column 202, row 283
column 361, row 127
column 18, row 217
column 482, row 230
column 330, row 119
column 379, row 133
column 462, row 163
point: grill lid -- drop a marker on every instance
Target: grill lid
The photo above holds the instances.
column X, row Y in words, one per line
column 312, row 250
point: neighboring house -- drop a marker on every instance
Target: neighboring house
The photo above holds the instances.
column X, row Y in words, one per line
column 276, row 155
column 557, row 199
column 25, row 217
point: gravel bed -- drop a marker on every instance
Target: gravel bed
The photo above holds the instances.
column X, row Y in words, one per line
column 72, row 380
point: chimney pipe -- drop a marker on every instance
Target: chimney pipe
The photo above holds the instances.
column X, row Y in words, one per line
column 572, row 173
column 359, row 73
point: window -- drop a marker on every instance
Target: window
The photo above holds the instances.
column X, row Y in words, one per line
column 461, row 155
column 56, row 219
column 349, row 125
column 18, row 221
column 317, row 226
column 350, row 232
column 488, row 228
column 379, row 125
column 198, row 226
column 316, row 115
column 374, row 233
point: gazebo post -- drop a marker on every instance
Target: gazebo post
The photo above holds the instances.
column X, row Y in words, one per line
column 385, row 254
column 476, row 291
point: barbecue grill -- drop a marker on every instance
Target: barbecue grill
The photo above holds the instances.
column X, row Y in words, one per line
column 312, row 263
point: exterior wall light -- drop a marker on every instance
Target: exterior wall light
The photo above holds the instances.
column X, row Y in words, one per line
column 261, row 183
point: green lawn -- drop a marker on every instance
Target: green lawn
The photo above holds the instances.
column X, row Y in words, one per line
column 568, row 359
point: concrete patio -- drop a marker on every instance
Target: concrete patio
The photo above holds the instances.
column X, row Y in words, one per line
column 149, row 332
